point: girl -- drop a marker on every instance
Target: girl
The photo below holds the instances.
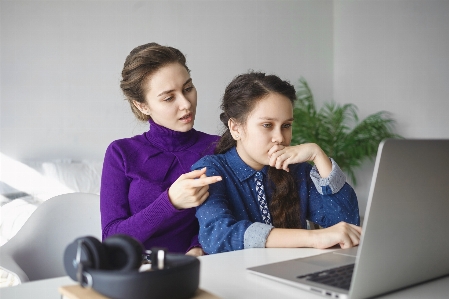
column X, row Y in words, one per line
column 268, row 189
column 147, row 191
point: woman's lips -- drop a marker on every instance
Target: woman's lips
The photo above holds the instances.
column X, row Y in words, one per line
column 186, row 118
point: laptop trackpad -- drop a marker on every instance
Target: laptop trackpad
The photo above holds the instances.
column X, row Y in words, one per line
column 329, row 260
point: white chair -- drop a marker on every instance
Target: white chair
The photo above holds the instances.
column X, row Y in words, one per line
column 36, row 251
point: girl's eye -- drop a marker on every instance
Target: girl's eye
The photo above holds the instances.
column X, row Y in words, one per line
column 287, row 126
column 267, row 125
column 169, row 99
column 188, row 89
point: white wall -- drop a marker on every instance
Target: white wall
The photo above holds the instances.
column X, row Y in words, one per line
column 393, row 56
column 61, row 62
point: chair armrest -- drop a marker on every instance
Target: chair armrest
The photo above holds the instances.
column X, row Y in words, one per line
column 8, row 264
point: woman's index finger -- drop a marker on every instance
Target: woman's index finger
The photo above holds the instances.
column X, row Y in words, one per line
column 204, row 181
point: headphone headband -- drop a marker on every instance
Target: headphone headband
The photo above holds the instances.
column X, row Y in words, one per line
column 178, row 279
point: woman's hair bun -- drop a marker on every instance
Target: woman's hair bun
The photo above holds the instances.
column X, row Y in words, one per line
column 224, row 119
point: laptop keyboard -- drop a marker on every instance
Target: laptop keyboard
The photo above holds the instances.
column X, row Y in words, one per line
column 339, row 277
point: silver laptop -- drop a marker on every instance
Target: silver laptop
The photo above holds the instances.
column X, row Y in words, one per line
column 405, row 232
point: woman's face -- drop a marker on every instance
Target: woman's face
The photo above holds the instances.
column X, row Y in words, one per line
column 171, row 98
column 269, row 123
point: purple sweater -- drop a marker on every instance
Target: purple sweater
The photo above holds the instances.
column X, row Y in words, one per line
column 137, row 173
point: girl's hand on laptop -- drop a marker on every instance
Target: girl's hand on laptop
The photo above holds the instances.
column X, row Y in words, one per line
column 191, row 189
column 281, row 156
column 345, row 234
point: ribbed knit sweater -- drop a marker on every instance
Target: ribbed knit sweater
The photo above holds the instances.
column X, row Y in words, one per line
column 137, row 173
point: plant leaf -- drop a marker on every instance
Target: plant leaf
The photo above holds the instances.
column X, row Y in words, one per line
column 337, row 130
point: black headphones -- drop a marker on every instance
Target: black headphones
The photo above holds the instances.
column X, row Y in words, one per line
column 112, row 268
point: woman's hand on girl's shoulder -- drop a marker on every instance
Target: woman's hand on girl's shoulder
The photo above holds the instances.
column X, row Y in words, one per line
column 191, row 189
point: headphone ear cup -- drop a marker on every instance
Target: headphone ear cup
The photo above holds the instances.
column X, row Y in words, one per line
column 92, row 255
column 96, row 253
column 124, row 252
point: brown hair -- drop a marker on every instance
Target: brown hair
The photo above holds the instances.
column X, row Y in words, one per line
column 141, row 63
column 240, row 97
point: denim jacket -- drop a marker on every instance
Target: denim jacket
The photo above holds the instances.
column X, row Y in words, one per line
column 230, row 219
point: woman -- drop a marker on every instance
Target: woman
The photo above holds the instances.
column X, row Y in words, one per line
column 268, row 189
column 147, row 189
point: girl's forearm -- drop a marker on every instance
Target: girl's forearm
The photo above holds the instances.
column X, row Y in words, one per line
column 289, row 238
column 323, row 163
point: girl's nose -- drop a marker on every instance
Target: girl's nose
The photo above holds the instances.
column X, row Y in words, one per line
column 277, row 138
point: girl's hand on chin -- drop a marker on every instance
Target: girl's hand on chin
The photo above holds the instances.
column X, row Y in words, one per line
column 282, row 156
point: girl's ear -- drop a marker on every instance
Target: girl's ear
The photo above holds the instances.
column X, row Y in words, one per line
column 234, row 128
column 143, row 107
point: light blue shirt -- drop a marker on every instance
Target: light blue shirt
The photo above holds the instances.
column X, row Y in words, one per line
column 230, row 219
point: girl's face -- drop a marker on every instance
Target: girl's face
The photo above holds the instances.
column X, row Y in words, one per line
column 269, row 123
column 170, row 98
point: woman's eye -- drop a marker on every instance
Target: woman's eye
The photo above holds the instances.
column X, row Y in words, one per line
column 267, row 125
column 169, row 99
column 287, row 126
column 188, row 89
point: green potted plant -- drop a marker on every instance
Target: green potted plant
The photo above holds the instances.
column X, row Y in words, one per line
column 337, row 130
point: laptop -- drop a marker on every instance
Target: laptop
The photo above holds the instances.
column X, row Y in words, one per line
column 405, row 232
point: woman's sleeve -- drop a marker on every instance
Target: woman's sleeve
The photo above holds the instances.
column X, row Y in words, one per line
column 116, row 216
column 219, row 229
column 332, row 199
column 194, row 243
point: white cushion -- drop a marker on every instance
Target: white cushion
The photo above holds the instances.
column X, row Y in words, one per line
column 14, row 214
column 79, row 176
column 8, row 279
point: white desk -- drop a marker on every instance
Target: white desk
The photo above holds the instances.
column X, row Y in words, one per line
column 225, row 276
